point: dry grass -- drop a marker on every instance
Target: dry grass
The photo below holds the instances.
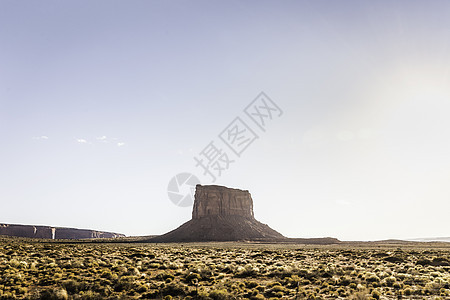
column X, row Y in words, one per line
column 31, row 270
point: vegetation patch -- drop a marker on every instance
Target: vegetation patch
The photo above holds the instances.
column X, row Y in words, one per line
column 33, row 270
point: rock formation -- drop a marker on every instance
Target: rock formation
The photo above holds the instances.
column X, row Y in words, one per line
column 48, row 232
column 221, row 214
column 218, row 200
column 72, row 233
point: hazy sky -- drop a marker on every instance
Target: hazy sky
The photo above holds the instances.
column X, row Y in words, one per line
column 103, row 102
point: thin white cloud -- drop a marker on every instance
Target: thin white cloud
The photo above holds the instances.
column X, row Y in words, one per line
column 101, row 139
column 42, row 137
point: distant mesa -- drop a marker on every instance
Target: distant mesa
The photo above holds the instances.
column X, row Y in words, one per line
column 49, row 232
column 221, row 214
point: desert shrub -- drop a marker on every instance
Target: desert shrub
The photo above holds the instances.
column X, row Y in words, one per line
column 133, row 272
column 251, row 284
column 247, row 271
column 125, row 283
column 107, row 274
column 54, row 294
column 361, row 295
column 164, row 276
column 192, row 277
column 275, row 291
column 376, row 294
column 389, row 281
column 21, row 290
column 394, row 259
column 257, row 297
column 397, row 285
column 345, row 281
column 141, row 288
column 221, row 294
column 105, row 291
column 153, row 294
column 154, row 265
column 440, row 261
column 370, row 277
column 174, row 289
column 7, row 296
column 90, row 295
column 73, row 286
column 282, row 272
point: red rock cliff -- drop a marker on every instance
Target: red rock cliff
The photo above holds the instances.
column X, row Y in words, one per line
column 214, row 200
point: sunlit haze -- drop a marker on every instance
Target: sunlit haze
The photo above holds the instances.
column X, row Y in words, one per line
column 103, row 102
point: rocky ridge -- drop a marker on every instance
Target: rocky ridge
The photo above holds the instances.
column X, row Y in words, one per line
column 49, row 232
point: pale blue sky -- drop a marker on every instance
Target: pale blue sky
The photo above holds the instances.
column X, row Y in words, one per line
column 101, row 103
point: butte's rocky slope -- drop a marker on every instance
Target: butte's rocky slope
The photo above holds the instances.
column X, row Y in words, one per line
column 221, row 214
column 48, row 232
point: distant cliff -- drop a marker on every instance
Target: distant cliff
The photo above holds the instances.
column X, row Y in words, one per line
column 48, row 232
